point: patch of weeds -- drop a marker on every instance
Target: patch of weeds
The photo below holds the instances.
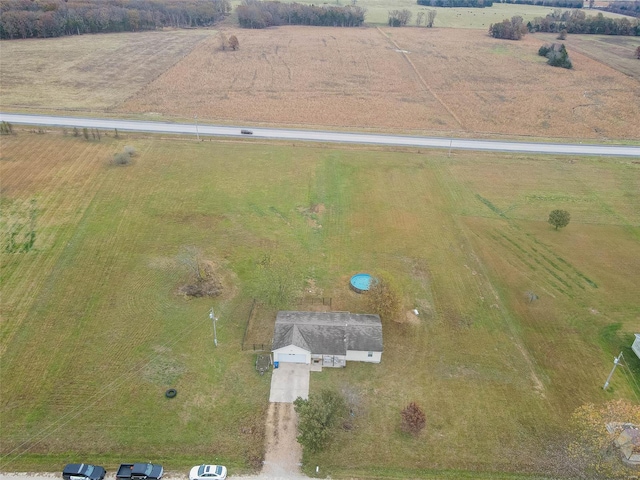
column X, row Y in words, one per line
column 163, row 369
column 491, row 206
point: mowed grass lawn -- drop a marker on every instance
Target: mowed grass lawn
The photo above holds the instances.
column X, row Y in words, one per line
column 93, row 332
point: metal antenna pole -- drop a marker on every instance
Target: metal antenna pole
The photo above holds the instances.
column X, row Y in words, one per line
column 213, row 319
column 616, row 361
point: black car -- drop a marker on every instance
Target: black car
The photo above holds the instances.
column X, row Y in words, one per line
column 246, row 132
column 83, row 471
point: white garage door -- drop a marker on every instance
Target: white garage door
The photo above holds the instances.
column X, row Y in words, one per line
column 292, row 358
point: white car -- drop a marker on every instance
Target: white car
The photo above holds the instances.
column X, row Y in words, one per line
column 208, row 472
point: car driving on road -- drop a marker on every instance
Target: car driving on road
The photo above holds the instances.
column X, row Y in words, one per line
column 208, row 472
column 83, row 471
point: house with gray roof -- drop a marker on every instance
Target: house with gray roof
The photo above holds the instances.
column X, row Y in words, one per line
column 329, row 339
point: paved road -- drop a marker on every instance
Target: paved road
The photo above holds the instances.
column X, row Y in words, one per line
column 323, row 136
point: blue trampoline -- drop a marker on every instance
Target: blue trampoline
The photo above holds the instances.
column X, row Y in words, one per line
column 361, row 282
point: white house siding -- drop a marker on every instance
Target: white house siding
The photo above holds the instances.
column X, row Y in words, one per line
column 292, row 354
column 636, row 345
column 357, row 356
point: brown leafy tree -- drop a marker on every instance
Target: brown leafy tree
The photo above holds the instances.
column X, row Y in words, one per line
column 233, row 42
column 413, row 419
column 383, row 300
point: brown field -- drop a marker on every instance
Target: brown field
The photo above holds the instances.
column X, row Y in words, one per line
column 426, row 81
column 360, row 78
column 87, row 73
column 616, row 51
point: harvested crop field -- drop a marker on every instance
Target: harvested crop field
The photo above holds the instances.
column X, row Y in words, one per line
column 425, row 81
column 405, row 79
column 88, row 72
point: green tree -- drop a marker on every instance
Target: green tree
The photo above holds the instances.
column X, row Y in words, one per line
column 317, row 417
column 559, row 218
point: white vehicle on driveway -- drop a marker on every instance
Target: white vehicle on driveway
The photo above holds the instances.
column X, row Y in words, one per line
column 208, row 472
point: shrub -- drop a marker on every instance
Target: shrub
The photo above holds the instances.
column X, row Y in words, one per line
column 413, row 419
column 124, row 157
column 557, row 55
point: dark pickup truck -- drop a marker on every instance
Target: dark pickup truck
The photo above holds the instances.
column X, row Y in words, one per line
column 140, row 471
column 83, row 471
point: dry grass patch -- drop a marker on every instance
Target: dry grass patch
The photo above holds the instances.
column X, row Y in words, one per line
column 296, row 75
column 357, row 78
column 502, row 87
column 88, row 72
column 427, row 81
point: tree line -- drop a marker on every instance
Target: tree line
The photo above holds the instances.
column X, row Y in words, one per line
column 54, row 18
column 631, row 9
column 489, row 3
column 548, row 3
column 262, row 14
column 576, row 21
column 456, row 3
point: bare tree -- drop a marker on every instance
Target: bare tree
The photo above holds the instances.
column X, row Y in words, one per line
column 419, row 18
column 191, row 258
column 431, row 16
column 233, row 42
column 223, row 41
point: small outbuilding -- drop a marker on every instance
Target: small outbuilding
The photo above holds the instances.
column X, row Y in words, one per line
column 636, row 345
column 329, row 339
column 629, row 443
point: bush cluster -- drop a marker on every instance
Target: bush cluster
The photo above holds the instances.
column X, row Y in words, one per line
column 513, row 29
column 557, row 55
column 124, row 157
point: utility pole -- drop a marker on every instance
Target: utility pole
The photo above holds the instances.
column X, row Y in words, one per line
column 214, row 319
column 616, row 361
column 195, row 117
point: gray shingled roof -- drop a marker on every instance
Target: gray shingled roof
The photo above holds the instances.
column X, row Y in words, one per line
column 328, row 333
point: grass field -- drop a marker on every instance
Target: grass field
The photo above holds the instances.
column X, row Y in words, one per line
column 93, row 331
column 424, row 81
